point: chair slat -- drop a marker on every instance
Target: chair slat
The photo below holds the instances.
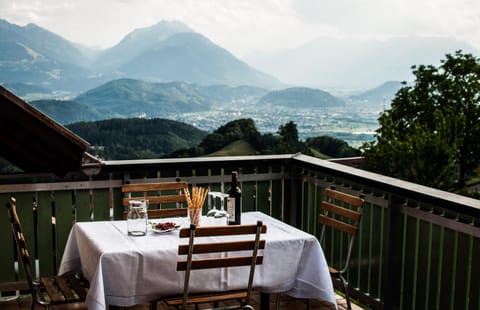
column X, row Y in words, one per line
column 347, row 198
column 63, row 286
column 79, row 288
column 215, row 247
column 168, row 212
column 162, row 213
column 150, row 187
column 222, row 230
column 52, row 291
column 153, row 200
column 223, row 262
column 203, row 298
column 336, row 224
column 347, row 213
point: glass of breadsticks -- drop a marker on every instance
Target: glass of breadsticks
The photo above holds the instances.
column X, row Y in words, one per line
column 195, row 203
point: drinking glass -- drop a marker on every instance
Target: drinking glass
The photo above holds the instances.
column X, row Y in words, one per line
column 213, row 199
column 137, row 218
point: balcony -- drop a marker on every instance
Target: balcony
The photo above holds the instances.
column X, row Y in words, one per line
column 417, row 247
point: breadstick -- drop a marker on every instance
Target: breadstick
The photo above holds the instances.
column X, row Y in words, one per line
column 187, row 196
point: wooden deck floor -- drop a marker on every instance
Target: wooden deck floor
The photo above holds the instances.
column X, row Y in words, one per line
column 23, row 302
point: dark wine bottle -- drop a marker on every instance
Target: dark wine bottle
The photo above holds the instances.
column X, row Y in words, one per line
column 234, row 207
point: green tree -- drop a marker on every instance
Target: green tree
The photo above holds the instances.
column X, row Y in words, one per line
column 332, row 147
column 431, row 133
column 213, row 142
column 289, row 142
column 241, row 129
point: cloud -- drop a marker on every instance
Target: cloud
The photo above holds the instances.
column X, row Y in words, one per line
column 366, row 17
column 243, row 26
column 383, row 18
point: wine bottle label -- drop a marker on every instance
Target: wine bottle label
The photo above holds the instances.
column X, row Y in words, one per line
column 231, row 209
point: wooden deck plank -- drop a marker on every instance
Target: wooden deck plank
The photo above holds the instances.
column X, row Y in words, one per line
column 287, row 303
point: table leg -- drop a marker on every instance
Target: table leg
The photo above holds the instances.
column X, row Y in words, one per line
column 264, row 301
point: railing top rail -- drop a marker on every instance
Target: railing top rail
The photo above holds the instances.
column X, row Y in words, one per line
column 392, row 185
column 112, row 165
column 190, row 160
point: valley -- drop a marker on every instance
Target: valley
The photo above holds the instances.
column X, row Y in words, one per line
column 352, row 119
column 354, row 123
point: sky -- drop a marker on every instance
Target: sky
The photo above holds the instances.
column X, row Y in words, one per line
column 245, row 26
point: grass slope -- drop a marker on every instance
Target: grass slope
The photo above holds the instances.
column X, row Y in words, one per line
column 236, row 148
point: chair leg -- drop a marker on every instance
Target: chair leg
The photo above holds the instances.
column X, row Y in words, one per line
column 153, row 305
column 277, row 301
column 345, row 289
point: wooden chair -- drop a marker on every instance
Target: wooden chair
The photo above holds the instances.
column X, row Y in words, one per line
column 195, row 261
column 58, row 290
column 341, row 212
column 169, row 198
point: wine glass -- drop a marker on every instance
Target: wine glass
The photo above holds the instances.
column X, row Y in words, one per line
column 212, row 197
column 222, row 212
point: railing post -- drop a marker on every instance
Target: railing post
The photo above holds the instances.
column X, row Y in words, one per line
column 291, row 213
column 391, row 241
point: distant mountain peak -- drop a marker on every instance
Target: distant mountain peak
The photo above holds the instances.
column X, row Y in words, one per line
column 158, row 32
column 301, row 97
column 32, row 26
column 172, row 24
column 137, row 42
column 191, row 57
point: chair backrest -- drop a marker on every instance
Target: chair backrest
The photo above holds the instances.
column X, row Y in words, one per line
column 20, row 242
column 342, row 212
column 193, row 250
column 165, row 199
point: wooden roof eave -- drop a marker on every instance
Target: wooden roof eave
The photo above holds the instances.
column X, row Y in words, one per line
column 36, row 143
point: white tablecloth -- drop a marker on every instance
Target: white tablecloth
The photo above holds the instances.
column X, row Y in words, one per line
column 125, row 270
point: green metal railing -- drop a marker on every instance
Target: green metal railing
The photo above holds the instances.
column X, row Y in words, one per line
column 417, row 246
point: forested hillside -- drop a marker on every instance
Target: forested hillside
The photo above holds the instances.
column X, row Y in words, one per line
column 137, row 138
column 66, row 111
column 118, row 139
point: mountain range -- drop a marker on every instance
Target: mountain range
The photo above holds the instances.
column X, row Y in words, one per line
column 355, row 64
column 167, row 51
column 170, row 51
column 33, row 55
column 126, row 98
column 383, row 93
